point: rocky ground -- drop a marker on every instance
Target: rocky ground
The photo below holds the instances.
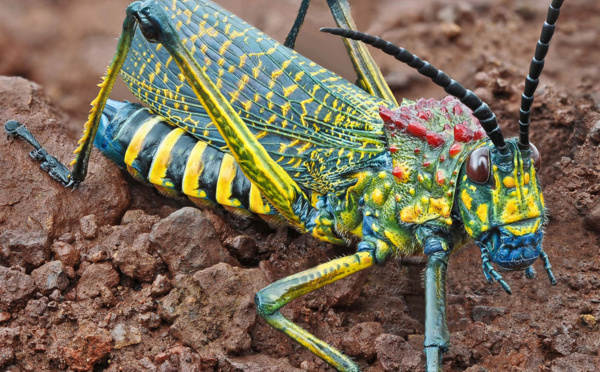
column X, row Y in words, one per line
column 115, row 277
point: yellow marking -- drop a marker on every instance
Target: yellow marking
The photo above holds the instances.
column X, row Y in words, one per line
column 193, row 170
column 285, row 108
column 243, row 81
column 522, row 230
column 243, row 59
column 526, row 178
column 466, row 199
column 509, row 182
column 272, row 119
column 482, row 212
column 256, row 202
column 377, row 196
column 234, row 95
column 439, row 206
column 275, row 74
column 289, row 90
column 135, row 146
column 224, row 47
column 411, row 213
column 247, row 105
column 298, row 76
column 224, row 181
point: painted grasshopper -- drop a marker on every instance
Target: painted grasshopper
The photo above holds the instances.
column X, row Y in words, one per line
column 238, row 120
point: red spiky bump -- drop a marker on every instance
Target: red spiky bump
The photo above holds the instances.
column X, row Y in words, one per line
column 455, row 149
column 416, row 129
column 463, row 134
column 398, row 172
column 425, row 115
column 435, row 139
column 457, row 110
column 386, row 114
column 400, row 123
column 439, row 177
column 393, row 148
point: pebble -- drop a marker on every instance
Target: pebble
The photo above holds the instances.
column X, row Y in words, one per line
column 15, row 288
column 136, row 260
column 50, row 276
column 125, row 335
column 88, row 227
column 150, row 320
column 161, row 286
column 187, row 242
column 65, row 253
column 96, row 276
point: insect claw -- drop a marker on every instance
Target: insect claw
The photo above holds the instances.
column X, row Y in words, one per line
column 505, row 286
column 50, row 164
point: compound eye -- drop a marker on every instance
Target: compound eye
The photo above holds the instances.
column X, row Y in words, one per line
column 478, row 165
column 535, row 157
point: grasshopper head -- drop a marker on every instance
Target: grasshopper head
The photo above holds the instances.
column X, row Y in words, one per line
column 501, row 204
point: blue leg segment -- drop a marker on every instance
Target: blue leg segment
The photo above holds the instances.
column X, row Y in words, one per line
column 490, row 273
column 437, row 336
column 548, row 267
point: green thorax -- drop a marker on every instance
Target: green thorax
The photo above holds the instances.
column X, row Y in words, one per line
column 429, row 140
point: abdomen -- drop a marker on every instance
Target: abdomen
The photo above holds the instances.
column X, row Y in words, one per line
column 175, row 162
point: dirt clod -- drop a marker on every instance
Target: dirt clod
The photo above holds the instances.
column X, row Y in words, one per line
column 66, row 253
column 90, row 345
column 187, row 242
column 136, row 260
column 15, row 288
column 50, row 276
column 88, row 227
column 94, row 278
column 28, row 249
column 160, row 286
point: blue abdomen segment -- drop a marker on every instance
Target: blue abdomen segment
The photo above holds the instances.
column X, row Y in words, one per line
column 174, row 161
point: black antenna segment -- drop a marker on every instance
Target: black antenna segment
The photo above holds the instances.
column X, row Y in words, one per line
column 535, row 69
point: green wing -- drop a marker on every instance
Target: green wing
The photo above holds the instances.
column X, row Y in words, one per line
column 316, row 125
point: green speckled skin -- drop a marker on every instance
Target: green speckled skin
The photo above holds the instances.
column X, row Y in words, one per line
column 427, row 163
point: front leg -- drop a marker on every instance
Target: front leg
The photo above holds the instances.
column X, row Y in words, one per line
column 270, row 299
column 437, row 336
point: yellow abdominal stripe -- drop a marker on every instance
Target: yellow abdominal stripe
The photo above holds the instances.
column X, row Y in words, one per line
column 162, row 158
column 226, row 177
column 135, row 146
column 191, row 177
